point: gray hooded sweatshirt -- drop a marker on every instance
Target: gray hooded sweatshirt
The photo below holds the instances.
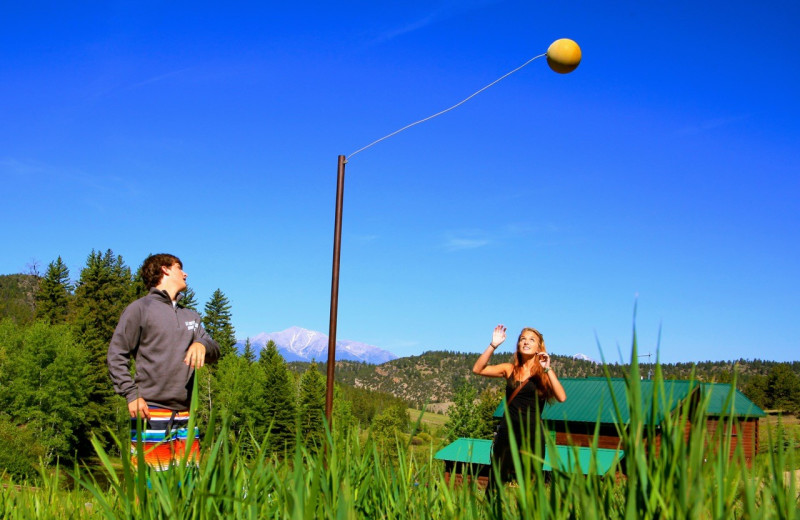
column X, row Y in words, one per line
column 157, row 335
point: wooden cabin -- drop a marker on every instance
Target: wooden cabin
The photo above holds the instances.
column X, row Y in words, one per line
column 744, row 430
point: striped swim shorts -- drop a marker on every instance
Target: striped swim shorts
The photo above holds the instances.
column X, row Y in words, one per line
column 164, row 437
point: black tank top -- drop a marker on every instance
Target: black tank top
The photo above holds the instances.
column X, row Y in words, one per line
column 524, row 405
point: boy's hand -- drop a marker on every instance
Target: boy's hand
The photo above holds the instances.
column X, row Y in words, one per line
column 195, row 355
column 138, row 408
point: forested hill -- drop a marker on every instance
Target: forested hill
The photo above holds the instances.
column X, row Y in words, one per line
column 433, row 376
column 17, row 296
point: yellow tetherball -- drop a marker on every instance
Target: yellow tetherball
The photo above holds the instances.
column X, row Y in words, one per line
column 563, row 55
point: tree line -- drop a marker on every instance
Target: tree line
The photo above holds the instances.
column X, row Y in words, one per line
column 55, row 392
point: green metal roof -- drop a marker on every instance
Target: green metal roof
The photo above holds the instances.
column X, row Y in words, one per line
column 722, row 402
column 573, row 458
column 464, row 449
column 592, row 398
column 566, row 458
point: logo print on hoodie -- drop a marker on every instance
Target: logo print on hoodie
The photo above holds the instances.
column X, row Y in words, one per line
column 192, row 325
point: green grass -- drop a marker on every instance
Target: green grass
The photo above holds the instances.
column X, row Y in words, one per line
column 351, row 479
column 431, row 419
column 780, row 433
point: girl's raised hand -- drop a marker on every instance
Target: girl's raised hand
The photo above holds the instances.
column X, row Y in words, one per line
column 498, row 336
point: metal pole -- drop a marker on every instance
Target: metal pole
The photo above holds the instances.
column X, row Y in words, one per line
column 337, row 248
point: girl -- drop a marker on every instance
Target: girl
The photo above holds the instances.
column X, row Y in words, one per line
column 530, row 384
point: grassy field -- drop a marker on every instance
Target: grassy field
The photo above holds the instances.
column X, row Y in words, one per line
column 434, row 420
column 775, row 419
column 779, row 432
column 352, row 479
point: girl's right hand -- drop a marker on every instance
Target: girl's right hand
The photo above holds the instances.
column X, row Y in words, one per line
column 498, row 336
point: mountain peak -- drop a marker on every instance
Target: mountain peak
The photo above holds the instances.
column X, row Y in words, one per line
column 299, row 344
column 584, row 357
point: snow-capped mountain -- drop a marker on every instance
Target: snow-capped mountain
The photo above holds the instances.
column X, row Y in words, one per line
column 299, row 344
column 584, row 357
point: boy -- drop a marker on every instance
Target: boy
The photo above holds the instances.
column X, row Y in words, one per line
column 168, row 344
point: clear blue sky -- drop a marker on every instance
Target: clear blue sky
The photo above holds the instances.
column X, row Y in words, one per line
column 666, row 166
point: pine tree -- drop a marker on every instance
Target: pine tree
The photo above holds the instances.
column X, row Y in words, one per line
column 311, row 407
column 189, row 300
column 54, row 294
column 343, row 418
column 463, row 417
column 783, row 388
column 487, row 403
column 104, row 290
column 138, row 288
column 757, row 390
column 248, row 354
column 387, row 425
column 238, row 388
column 279, row 399
column 217, row 322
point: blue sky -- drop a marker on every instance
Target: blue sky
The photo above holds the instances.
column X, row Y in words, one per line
column 663, row 171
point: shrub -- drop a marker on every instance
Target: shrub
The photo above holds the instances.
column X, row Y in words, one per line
column 20, row 452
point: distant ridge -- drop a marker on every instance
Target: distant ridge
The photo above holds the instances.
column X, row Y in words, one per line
column 299, row 344
column 433, row 376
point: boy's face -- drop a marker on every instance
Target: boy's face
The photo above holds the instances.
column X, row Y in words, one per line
column 175, row 276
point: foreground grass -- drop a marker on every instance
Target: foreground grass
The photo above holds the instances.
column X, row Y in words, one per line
column 351, row 479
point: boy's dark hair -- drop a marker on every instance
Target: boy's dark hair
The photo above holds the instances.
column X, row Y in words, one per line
column 151, row 268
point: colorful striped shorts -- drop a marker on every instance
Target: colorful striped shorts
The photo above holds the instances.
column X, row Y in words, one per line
column 164, row 437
